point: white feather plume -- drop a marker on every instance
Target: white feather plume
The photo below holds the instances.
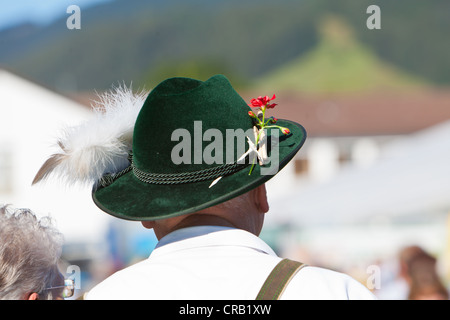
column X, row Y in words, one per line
column 99, row 146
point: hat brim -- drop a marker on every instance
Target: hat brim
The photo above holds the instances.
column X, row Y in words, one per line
column 131, row 199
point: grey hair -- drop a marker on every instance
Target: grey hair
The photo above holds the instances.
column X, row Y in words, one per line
column 30, row 249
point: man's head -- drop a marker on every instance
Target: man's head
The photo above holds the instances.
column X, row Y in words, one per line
column 245, row 212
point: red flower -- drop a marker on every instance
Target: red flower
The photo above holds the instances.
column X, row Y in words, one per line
column 251, row 114
column 262, row 102
column 285, row 130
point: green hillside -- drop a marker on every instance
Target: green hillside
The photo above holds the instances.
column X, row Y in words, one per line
column 146, row 41
column 337, row 64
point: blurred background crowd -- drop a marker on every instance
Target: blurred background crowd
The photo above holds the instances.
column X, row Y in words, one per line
column 368, row 194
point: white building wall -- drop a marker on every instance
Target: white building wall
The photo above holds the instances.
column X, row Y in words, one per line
column 31, row 119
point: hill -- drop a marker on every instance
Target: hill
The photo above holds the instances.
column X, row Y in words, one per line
column 339, row 63
column 144, row 41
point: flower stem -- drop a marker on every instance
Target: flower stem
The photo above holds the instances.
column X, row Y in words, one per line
column 256, row 145
column 262, row 125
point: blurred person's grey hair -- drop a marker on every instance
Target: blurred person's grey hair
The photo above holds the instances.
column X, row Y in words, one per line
column 30, row 250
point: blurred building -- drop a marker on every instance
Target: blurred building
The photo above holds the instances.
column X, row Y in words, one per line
column 372, row 177
column 32, row 119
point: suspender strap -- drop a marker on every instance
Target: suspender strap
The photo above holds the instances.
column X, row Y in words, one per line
column 278, row 279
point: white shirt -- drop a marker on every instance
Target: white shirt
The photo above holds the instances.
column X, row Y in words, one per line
column 218, row 263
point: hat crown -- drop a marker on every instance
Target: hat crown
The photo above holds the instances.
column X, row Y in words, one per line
column 156, row 187
column 177, row 114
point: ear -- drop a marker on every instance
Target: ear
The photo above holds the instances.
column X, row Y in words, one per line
column 148, row 224
column 261, row 198
column 33, row 296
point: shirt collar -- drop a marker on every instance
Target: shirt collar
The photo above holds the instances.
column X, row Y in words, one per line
column 209, row 236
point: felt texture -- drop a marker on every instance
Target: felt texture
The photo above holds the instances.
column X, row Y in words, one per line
column 178, row 103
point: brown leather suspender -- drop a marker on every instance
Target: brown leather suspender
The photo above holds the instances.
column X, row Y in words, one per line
column 278, row 279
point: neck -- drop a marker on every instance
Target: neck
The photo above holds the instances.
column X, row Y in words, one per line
column 203, row 220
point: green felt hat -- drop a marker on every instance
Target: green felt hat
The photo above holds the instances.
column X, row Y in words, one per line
column 186, row 137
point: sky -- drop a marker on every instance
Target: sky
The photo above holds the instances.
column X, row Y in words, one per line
column 37, row 11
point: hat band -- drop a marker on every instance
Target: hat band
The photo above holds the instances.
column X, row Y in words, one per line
column 174, row 178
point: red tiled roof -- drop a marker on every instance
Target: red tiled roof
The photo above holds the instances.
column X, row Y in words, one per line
column 364, row 114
